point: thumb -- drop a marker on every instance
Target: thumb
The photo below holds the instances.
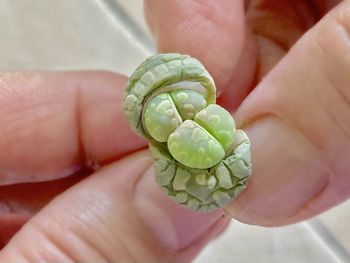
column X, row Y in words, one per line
column 299, row 121
column 111, row 217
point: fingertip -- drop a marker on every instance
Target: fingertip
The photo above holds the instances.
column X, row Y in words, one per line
column 211, row 31
column 287, row 173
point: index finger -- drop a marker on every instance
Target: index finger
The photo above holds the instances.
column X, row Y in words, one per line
column 53, row 124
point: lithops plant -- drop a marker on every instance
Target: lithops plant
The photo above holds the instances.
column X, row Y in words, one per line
column 201, row 160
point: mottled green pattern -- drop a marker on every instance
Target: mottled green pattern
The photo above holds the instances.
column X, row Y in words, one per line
column 208, row 188
column 158, row 72
column 193, row 146
column 201, row 160
column 161, row 117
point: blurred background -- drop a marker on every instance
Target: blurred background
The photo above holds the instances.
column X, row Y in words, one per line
column 112, row 35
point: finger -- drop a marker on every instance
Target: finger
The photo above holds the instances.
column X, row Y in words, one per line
column 53, row 124
column 112, row 217
column 212, row 31
column 298, row 120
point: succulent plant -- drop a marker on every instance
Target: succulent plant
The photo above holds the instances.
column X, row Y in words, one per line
column 201, row 160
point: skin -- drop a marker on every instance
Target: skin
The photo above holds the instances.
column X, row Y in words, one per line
column 297, row 117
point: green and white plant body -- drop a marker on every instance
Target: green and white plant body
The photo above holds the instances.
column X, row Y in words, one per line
column 201, row 160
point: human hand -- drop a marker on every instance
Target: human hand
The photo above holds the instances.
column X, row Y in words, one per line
column 114, row 215
column 69, row 128
column 298, row 115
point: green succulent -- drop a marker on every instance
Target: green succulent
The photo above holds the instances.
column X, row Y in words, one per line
column 201, row 160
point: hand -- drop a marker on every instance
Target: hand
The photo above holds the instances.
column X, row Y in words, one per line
column 55, row 129
column 298, row 113
column 118, row 213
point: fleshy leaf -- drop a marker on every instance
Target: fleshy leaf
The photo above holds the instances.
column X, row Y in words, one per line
column 200, row 160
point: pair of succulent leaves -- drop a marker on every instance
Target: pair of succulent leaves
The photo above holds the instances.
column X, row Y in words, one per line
column 201, row 161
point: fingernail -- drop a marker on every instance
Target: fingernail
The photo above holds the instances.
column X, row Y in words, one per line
column 175, row 226
column 287, row 172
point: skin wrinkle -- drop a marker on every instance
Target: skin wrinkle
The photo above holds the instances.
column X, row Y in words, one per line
column 130, row 237
column 210, row 12
column 22, row 254
column 328, row 110
column 44, row 255
column 118, row 242
column 125, row 250
column 90, row 244
column 335, row 84
column 25, row 257
column 56, row 243
column 316, row 41
column 20, row 88
column 333, row 119
column 7, row 90
column 204, row 9
column 84, row 160
column 51, row 234
column 77, row 231
column 84, row 163
column 86, row 245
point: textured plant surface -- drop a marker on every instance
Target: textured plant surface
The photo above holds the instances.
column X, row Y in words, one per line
column 201, row 160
